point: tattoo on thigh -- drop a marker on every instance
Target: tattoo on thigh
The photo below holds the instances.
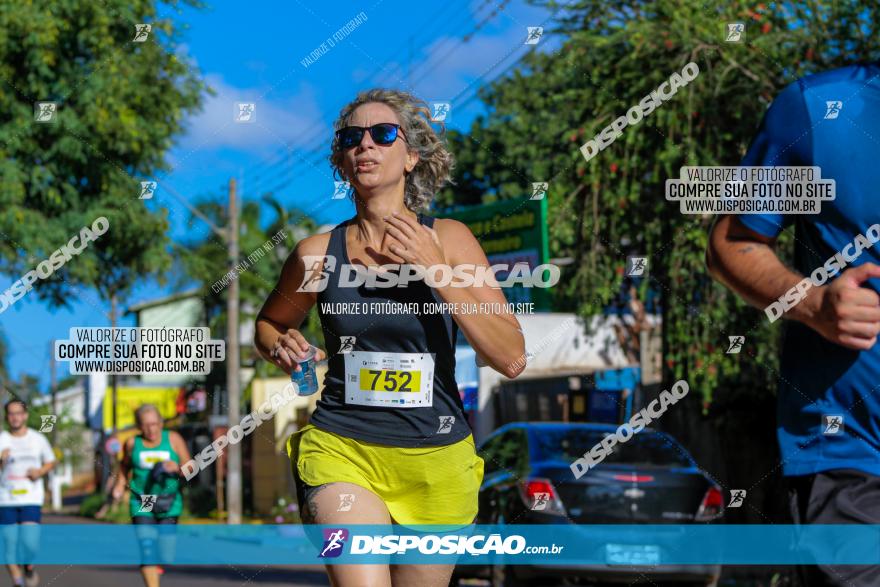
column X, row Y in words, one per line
column 310, row 514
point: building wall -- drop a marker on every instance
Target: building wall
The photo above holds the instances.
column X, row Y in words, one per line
column 184, row 313
column 270, row 474
column 71, row 401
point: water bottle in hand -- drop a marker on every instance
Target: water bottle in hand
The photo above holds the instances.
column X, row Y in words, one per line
column 306, row 379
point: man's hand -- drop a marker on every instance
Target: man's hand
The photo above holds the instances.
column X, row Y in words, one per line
column 4, row 457
column 34, row 474
column 846, row 313
column 171, row 467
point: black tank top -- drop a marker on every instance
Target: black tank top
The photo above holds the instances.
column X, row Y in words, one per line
column 440, row 424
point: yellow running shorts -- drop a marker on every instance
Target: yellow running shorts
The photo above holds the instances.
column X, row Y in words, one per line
column 425, row 485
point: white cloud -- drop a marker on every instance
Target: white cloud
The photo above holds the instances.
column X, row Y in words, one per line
column 278, row 122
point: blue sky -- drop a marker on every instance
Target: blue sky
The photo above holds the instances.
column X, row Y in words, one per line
column 252, row 52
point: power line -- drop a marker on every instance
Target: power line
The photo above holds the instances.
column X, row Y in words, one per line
column 284, row 155
column 459, row 105
column 430, row 65
column 464, row 40
column 446, row 39
column 425, row 64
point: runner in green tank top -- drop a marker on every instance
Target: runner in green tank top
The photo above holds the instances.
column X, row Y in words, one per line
column 144, row 481
column 153, row 459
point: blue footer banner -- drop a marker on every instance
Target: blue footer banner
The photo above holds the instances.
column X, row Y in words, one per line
column 543, row 545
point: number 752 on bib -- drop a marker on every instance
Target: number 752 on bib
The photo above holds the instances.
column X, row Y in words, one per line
column 390, row 380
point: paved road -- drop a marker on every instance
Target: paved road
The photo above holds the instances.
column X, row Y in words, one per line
column 175, row 576
column 179, row 576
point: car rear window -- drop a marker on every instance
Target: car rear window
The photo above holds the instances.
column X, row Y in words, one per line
column 644, row 448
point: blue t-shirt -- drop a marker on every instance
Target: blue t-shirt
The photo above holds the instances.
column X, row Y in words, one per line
column 819, row 378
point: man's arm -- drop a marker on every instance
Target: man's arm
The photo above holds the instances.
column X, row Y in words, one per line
column 36, row 473
column 746, row 262
column 124, row 466
column 842, row 311
column 182, row 451
column 47, row 456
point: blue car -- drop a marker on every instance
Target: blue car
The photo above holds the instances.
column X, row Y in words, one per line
column 649, row 479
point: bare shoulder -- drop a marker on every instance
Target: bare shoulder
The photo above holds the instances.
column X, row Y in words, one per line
column 311, row 246
column 447, row 228
column 129, row 445
column 459, row 243
column 315, row 244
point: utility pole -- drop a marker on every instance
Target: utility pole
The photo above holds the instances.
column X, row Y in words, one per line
column 53, row 388
column 229, row 236
column 233, row 471
column 113, row 382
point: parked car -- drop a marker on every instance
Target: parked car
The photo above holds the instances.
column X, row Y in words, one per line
column 650, row 479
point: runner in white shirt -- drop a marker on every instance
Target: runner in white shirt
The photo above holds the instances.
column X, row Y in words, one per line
column 25, row 458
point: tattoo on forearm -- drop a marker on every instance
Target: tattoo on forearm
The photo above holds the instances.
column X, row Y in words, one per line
column 746, row 249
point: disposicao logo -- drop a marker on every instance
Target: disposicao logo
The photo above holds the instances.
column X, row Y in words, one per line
column 334, row 541
column 319, row 267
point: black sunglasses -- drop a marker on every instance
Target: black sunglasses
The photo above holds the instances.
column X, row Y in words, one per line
column 384, row 133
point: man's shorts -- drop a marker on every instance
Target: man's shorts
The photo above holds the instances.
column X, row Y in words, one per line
column 12, row 514
column 424, row 485
column 839, row 496
column 147, row 535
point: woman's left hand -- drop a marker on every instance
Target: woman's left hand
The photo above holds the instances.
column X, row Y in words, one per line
column 419, row 245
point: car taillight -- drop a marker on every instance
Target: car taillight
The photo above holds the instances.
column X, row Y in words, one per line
column 712, row 506
column 540, row 495
column 633, row 478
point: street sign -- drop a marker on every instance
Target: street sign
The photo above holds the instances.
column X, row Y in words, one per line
column 112, row 445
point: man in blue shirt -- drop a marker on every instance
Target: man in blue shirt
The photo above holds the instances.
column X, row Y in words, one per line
column 829, row 384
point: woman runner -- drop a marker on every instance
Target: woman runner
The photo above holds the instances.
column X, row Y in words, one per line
column 388, row 442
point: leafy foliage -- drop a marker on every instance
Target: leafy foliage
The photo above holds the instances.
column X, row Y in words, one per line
column 120, row 104
column 205, row 261
column 613, row 206
column 71, row 439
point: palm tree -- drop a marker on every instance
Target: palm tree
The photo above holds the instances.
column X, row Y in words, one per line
column 264, row 250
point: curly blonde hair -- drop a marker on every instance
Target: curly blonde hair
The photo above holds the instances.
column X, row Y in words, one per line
column 435, row 164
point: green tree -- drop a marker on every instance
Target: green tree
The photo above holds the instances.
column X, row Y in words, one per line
column 205, row 261
column 613, row 205
column 119, row 105
column 72, row 440
column 25, row 388
column 601, row 211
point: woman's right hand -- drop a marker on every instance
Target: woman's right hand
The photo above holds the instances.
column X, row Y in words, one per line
column 291, row 348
